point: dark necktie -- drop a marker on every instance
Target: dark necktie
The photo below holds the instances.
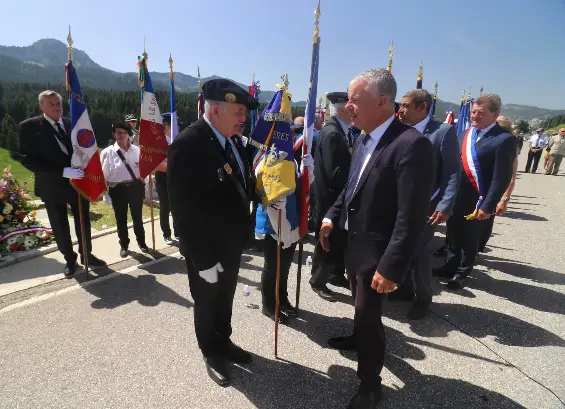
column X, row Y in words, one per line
column 232, row 161
column 62, row 137
column 357, row 163
column 350, row 138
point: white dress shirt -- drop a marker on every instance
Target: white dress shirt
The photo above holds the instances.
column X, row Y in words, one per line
column 420, row 126
column 114, row 168
column 483, row 132
column 53, row 124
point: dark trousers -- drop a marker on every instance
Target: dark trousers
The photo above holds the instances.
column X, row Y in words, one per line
column 422, row 266
column 58, row 218
column 464, row 240
column 213, row 303
column 487, row 232
column 368, row 330
column 269, row 273
column 130, row 195
column 325, row 264
column 535, row 157
column 164, row 209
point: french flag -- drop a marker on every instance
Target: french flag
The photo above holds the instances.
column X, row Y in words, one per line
column 85, row 150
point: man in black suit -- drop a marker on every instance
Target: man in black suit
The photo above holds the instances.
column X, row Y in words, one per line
column 331, row 169
column 494, row 153
column 210, row 188
column 384, row 208
column 46, row 150
column 415, row 111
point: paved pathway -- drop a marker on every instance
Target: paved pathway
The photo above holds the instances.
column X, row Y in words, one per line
column 127, row 341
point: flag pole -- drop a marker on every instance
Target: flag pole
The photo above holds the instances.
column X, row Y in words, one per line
column 80, row 207
column 390, row 55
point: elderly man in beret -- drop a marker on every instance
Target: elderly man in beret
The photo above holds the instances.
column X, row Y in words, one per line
column 210, row 187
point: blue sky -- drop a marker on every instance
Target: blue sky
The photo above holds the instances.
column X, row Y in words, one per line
column 513, row 48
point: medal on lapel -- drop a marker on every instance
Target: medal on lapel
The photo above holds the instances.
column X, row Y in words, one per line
column 220, row 175
column 228, row 169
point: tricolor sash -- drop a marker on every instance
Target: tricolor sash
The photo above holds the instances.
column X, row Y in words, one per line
column 472, row 167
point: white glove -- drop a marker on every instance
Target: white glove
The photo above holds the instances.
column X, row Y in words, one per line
column 107, row 198
column 73, row 173
column 308, row 161
column 278, row 204
column 211, row 275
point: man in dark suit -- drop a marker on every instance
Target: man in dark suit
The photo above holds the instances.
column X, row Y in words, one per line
column 210, row 187
column 487, row 154
column 46, row 150
column 383, row 207
column 331, row 169
column 415, row 111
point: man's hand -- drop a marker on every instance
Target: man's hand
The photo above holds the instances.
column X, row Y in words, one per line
column 73, row 173
column 325, row 232
column 438, row 217
column 211, row 275
column 381, row 284
column 501, row 207
column 482, row 215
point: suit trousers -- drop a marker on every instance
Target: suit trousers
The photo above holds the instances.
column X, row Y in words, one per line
column 269, row 273
column 487, row 232
column 164, row 209
column 369, row 331
column 533, row 157
column 325, row 264
column 58, row 218
column 553, row 165
column 124, row 195
column 464, row 240
column 213, row 303
column 422, row 266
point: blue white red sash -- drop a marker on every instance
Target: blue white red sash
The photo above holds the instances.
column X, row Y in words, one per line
column 471, row 162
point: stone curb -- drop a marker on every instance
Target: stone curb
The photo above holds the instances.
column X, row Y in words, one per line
column 26, row 255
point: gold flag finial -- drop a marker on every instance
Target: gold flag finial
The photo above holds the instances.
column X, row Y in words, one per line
column 390, row 55
column 284, row 79
column 469, row 97
column 421, row 71
column 317, row 13
column 144, row 52
column 481, row 90
column 435, row 89
column 70, row 46
column 463, row 97
column 171, row 73
column 199, row 80
column 253, row 80
column 320, row 100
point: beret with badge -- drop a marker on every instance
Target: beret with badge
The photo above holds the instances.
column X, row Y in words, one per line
column 337, row 97
column 223, row 90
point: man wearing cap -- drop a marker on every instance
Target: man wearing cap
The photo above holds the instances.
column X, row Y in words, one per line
column 210, row 187
column 331, row 169
column 538, row 141
column 162, row 191
column 131, row 120
column 120, row 164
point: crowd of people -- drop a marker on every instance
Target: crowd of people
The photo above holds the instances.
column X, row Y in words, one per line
column 386, row 175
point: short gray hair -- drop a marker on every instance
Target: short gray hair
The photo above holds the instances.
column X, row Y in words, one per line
column 48, row 93
column 491, row 101
column 379, row 82
column 420, row 97
column 336, row 107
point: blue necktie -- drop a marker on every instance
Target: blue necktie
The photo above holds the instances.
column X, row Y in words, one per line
column 355, row 170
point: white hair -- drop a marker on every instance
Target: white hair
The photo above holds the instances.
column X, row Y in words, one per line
column 380, row 82
column 334, row 108
column 48, row 93
column 209, row 102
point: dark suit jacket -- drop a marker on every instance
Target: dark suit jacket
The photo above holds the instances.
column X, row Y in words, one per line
column 331, row 167
column 41, row 153
column 388, row 210
column 210, row 206
column 447, row 163
column 496, row 152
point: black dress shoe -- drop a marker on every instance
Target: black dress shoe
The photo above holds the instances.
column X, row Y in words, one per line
column 70, row 269
column 236, row 354
column 93, row 261
column 455, row 283
column 444, row 271
column 365, row 400
column 124, row 252
column 283, row 318
column 419, row 310
column 401, row 294
column 343, row 343
column 325, row 293
column 143, row 247
column 288, row 309
column 339, row 281
column 216, row 368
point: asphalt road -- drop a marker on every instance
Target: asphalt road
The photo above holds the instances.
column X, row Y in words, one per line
column 127, row 341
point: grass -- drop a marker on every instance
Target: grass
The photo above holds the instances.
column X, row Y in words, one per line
column 554, row 129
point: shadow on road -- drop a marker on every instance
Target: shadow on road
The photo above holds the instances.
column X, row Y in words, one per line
column 523, row 216
column 522, row 270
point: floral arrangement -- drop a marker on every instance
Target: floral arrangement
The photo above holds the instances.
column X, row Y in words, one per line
column 18, row 228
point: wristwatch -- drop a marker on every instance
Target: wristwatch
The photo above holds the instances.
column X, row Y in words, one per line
column 505, row 198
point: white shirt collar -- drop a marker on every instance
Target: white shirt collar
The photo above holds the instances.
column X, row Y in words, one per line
column 52, row 122
column 420, row 126
column 343, row 126
column 116, row 147
column 378, row 132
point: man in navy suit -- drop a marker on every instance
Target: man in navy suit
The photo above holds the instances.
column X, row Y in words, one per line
column 415, row 111
column 487, row 156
